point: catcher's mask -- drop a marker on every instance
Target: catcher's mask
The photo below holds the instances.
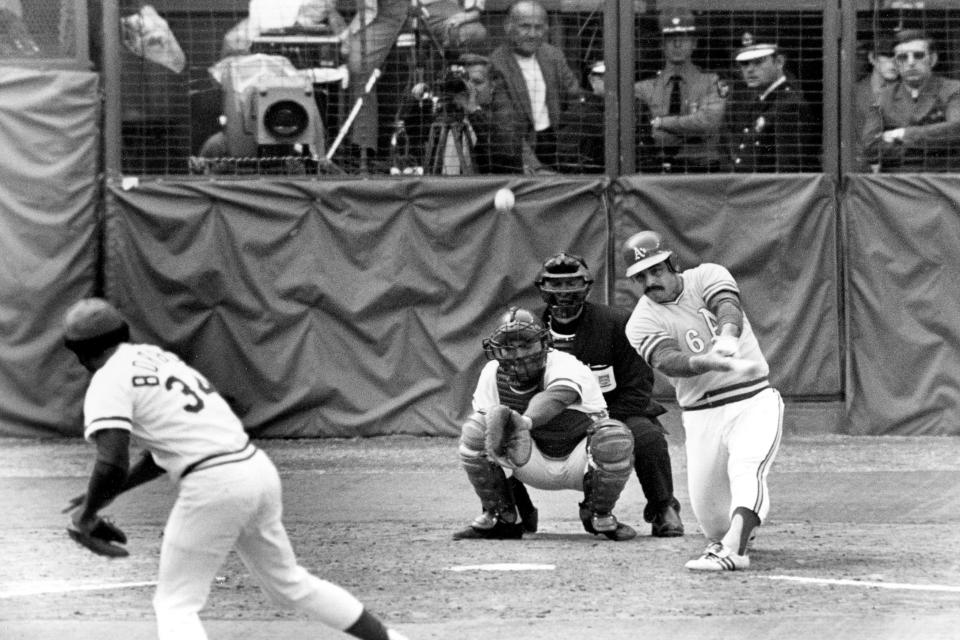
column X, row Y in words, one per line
column 564, row 282
column 520, row 344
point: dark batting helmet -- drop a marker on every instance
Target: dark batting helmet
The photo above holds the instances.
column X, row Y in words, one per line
column 564, row 282
column 644, row 249
column 93, row 325
column 520, row 344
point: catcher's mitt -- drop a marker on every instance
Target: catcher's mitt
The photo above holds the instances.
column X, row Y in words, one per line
column 508, row 441
column 101, row 539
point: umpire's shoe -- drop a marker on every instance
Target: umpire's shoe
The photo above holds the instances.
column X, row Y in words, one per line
column 667, row 523
column 605, row 524
column 488, row 526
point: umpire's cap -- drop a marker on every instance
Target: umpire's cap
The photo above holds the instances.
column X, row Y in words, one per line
column 93, row 325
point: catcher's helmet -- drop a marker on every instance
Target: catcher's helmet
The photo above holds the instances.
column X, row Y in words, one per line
column 93, row 325
column 644, row 249
column 564, row 282
column 520, row 344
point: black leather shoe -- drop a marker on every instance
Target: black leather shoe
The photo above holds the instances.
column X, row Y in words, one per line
column 667, row 524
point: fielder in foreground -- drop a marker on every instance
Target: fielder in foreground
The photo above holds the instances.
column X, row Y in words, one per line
column 691, row 327
column 541, row 413
column 229, row 493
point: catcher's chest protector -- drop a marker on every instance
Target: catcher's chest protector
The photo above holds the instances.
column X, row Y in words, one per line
column 516, row 400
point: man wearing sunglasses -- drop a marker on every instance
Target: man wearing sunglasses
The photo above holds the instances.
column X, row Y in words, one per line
column 768, row 125
column 916, row 124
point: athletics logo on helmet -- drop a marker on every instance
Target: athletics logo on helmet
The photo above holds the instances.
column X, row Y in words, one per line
column 644, row 249
column 520, row 344
column 93, row 325
column 564, row 283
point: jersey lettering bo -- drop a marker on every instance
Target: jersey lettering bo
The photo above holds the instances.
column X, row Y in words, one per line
column 691, row 325
column 168, row 407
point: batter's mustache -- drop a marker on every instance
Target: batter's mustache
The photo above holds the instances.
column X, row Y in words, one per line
column 653, row 288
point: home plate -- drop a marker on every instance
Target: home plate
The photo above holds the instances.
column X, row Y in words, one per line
column 504, row 566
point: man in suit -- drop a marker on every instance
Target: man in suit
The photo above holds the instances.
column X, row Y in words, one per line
column 683, row 103
column 916, row 125
column 538, row 82
column 768, row 125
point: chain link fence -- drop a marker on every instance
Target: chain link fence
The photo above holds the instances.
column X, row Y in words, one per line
column 276, row 91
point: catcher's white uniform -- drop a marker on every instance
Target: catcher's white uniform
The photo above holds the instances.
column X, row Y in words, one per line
column 562, row 370
column 229, row 493
column 732, row 420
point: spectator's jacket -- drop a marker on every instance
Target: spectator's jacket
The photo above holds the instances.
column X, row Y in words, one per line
column 694, row 134
column 772, row 131
column 601, row 343
column 931, row 124
column 562, row 85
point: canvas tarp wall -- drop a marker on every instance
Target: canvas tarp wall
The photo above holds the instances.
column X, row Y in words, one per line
column 777, row 236
column 347, row 308
column 902, row 239
column 49, row 194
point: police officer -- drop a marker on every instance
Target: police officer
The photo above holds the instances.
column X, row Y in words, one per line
column 917, row 121
column 685, row 104
column 769, row 126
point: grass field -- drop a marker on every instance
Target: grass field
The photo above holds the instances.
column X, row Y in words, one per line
column 861, row 543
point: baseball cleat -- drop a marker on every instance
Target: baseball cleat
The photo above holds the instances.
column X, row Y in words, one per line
column 667, row 524
column 719, row 558
column 605, row 525
column 489, row 527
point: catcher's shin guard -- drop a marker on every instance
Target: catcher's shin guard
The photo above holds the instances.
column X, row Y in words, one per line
column 610, row 455
column 488, row 478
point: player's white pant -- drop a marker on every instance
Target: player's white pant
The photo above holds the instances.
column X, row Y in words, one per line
column 729, row 453
column 551, row 474
column 239, row 506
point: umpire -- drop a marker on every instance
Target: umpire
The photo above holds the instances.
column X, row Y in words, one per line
column 595, row 334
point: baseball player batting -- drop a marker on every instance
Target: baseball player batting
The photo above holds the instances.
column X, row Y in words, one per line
column 228, row 490
column 691, row 327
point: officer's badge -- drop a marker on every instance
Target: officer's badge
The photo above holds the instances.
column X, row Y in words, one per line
column 723, row 87
column 759, row 124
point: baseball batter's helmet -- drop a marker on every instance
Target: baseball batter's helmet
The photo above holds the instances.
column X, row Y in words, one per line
column 93, row 325
column 644, row 249
column 564, row 282
column 520, row 344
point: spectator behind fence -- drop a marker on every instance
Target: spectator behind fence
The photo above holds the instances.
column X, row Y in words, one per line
column 492, row 150
column 683, row 104
column 866, row 93
column 768, row 125
column 916, row 125
column 539, row 82
column 581, row 132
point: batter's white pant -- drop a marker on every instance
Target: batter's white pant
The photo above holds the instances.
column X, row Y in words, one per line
column 729, row 453
column 236, row 505
column 551, row 474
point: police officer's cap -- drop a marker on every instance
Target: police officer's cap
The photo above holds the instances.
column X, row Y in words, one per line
column 677, row 21
column 753, row 47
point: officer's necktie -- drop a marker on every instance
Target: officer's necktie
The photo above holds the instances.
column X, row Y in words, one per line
column 675, row 102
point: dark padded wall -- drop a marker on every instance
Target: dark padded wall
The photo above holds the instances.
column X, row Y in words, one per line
column 48, row 241
column 350, row 308
column 902, row 238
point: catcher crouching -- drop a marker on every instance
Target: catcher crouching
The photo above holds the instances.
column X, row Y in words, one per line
column 540, row 413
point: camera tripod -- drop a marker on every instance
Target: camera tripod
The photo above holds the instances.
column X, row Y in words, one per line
column 444, row 130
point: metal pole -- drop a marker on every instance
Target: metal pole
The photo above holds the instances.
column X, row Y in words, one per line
column 110, row 79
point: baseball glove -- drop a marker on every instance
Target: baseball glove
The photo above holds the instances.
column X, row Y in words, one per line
column 508, row 441
column 101, row 539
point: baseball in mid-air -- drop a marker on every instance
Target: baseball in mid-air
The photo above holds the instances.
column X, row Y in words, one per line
column 504, row 200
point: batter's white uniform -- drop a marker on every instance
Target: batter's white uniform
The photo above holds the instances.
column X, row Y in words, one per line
column 733, row 422
column 562, row 370
column 229, row 493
